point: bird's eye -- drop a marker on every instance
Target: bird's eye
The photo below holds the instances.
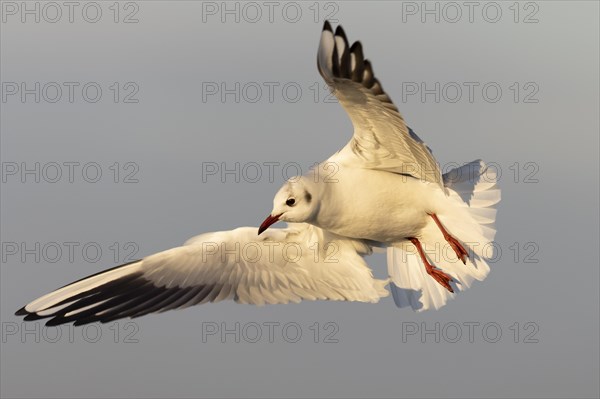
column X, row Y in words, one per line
column 290, row 202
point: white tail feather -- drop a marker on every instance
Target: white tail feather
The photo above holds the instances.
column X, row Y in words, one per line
column 472, row 197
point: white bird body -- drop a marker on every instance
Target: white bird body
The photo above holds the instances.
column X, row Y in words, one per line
column 383, row 189
column 383, row 207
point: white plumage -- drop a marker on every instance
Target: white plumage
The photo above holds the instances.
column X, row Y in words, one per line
column 473, row 196
column 301, row 262
column 387, row 192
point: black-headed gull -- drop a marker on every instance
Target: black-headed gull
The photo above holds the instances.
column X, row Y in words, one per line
column 387, row 192
column 388, row 189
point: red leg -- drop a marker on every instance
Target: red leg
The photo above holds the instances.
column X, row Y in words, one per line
column 460, row 251
column 433, row 271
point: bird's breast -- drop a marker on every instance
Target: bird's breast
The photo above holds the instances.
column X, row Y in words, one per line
column 374, row 205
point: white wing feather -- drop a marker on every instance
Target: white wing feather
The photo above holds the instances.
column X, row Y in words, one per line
column 279, row 266
column 381, row 138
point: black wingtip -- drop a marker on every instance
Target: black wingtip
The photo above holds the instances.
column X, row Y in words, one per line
column 21, row 312
column 33, row 316
column 356, row 46
column 339, row 31
column 56, row 321
column 327, row 26
column 83, row 322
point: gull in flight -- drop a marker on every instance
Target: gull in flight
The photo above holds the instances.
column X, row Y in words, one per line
column 383, row 191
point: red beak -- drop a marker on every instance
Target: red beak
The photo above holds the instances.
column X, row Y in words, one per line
column 268, row 221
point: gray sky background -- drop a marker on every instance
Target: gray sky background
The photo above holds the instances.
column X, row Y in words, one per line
column 548, row 133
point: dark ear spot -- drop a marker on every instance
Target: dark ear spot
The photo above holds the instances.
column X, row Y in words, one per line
column 308, row 197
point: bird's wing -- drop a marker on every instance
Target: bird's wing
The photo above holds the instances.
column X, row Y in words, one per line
column 279, row 266
column 381, row 138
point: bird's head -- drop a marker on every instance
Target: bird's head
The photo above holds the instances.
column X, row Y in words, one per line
column 295, row 202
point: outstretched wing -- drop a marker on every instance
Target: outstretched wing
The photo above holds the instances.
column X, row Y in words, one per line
column 381, row 138
column 281, row 265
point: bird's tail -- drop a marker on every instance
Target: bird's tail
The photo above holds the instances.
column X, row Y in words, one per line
column 472, row 196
